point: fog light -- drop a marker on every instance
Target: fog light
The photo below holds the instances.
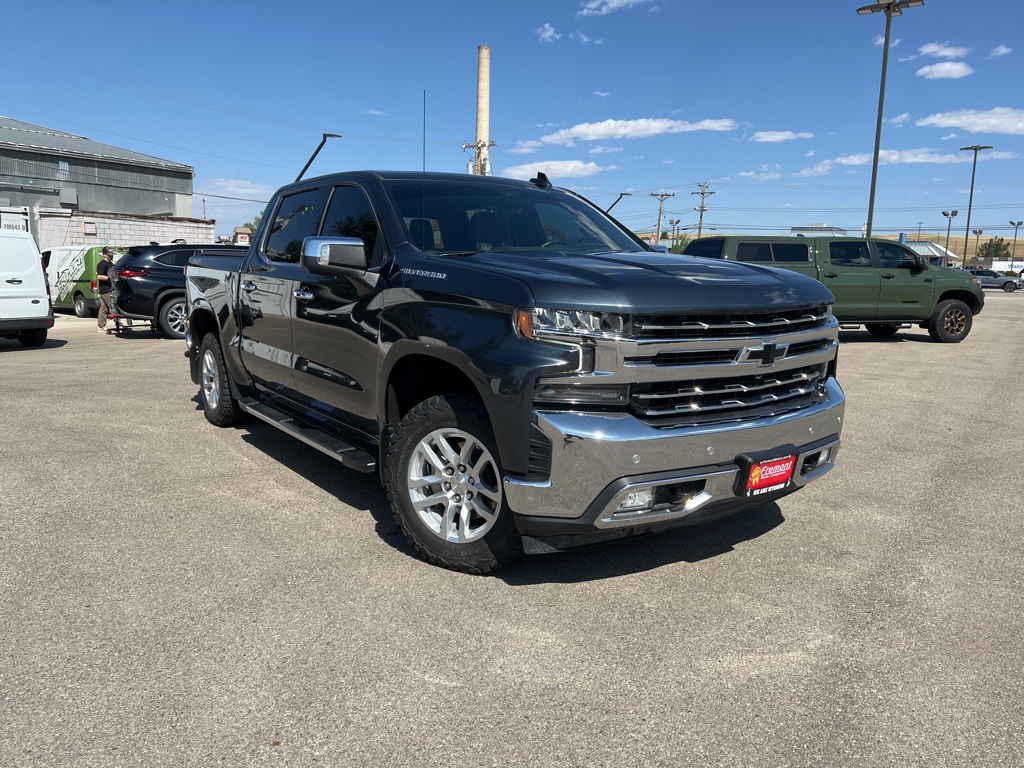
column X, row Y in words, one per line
column 636, row 501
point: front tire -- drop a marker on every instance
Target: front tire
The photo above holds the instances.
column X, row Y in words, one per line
column 34, row 337
column 173, row 318
column 82, row 307
column 882, row 329
column 951, row 322
column 219, row 407
column 1010, row 287
column 444, row 481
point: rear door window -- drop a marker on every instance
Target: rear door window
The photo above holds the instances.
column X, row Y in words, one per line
column 791, row 253
column 707, row 249
column 753, row 252
column 852, row 254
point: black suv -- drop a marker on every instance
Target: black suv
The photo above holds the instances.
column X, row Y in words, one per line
column 149, row 283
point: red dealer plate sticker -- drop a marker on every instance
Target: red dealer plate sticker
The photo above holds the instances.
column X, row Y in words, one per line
column 770, row 475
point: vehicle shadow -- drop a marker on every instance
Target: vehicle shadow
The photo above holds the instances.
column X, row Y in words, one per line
column 11, row 345
column 860, row 337
column 689, row 544
column 603, row 561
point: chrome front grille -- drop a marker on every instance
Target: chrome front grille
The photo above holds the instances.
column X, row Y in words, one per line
column 704, row 401
column 707, row 326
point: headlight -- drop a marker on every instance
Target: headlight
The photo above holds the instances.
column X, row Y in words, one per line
column 568, row 322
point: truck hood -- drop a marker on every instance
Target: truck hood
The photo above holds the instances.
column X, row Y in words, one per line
column 650, row 282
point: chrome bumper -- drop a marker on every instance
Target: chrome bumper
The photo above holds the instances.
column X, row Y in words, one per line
column 591, row 452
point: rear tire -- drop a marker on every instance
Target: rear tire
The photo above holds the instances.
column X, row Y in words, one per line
column 173, row 320
column 444, row 482
column 219, row 407
column 34, row 337
column 882, row 329
column 82, row 307
column 951, row 322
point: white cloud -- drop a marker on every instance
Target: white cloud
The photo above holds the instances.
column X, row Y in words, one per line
column 915, row 156
column 772, row 137
column 633, row 129
column 900, row 119
column 946, row 70
column 1005, row 120
column 602, row 94
column 943, row 51
column 893, row 42
column 760, row 175
column 600, row 149
column 820, row 169
column 375, row 112
column 585, row 39
column 1000, row 50
column 949, row 136
column 526, row 147
column 239, row 188
column 604, row 7
column 566, row 169
column 810, row 153
column 546, row 33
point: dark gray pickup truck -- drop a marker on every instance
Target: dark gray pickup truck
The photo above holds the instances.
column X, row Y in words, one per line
column 521, row 371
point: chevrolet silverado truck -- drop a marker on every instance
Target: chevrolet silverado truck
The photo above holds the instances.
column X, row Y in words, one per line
column 521, row 372
column 880, row 284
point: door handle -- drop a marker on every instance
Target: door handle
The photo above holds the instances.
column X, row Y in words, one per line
column 886, row 276
column 15, row 281
column 302, row 294
column 831, row 274
column 248, row 286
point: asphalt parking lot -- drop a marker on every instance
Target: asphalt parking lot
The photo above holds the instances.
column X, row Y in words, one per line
column 173, row 594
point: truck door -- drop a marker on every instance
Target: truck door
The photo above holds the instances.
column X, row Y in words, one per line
column 848, row 272
column 907, row 285
column 269, row 279
column 336, row 323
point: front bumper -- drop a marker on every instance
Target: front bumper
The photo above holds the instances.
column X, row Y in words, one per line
column 599, row 459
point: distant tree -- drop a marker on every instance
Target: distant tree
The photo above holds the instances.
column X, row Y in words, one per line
column 252, row 225
column 995, row 249
column 681, row 244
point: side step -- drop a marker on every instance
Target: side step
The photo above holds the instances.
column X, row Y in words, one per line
column 348, row 454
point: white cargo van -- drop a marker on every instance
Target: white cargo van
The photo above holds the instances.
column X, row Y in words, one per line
column 25, row 309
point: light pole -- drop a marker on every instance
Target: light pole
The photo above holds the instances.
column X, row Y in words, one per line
column 950, row 215
column 621, row 195
column 977, row 236
column 1013, row 251
column 890, row 8
column 204, row 207
column 673, row 223
column 317, row 152
column 976, row 148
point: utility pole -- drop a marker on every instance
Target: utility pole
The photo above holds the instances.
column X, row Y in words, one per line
column 480, row 165
column 662, row 197
column 703, row 193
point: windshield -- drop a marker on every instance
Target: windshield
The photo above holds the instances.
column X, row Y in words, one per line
column 462, row 217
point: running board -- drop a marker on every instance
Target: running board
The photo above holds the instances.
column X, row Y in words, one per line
column 348, row 454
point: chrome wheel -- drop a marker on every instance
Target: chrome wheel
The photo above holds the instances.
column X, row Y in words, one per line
column 454, row 485
column 176, row 318
column 211, row 380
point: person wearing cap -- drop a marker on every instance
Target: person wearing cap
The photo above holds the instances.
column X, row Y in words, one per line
column 103, row 282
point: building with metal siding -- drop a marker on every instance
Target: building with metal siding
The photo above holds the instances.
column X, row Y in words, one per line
column 46, row 168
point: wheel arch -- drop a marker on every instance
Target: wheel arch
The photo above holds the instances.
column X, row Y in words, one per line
column 968, row 298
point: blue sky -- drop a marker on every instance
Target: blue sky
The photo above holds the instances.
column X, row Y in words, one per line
column 772, row 104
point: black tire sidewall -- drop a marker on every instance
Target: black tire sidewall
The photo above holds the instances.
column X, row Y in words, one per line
column 501, row 542
column 165, row 309
column 227, row 411
column 81, row 307
column 937, row 327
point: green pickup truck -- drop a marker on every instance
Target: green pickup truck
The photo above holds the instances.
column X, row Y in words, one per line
column 879, row 284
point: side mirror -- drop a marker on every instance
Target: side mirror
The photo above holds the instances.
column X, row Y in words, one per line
column 334, row 255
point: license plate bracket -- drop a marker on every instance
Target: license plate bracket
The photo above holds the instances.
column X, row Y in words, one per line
column 763, row 472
